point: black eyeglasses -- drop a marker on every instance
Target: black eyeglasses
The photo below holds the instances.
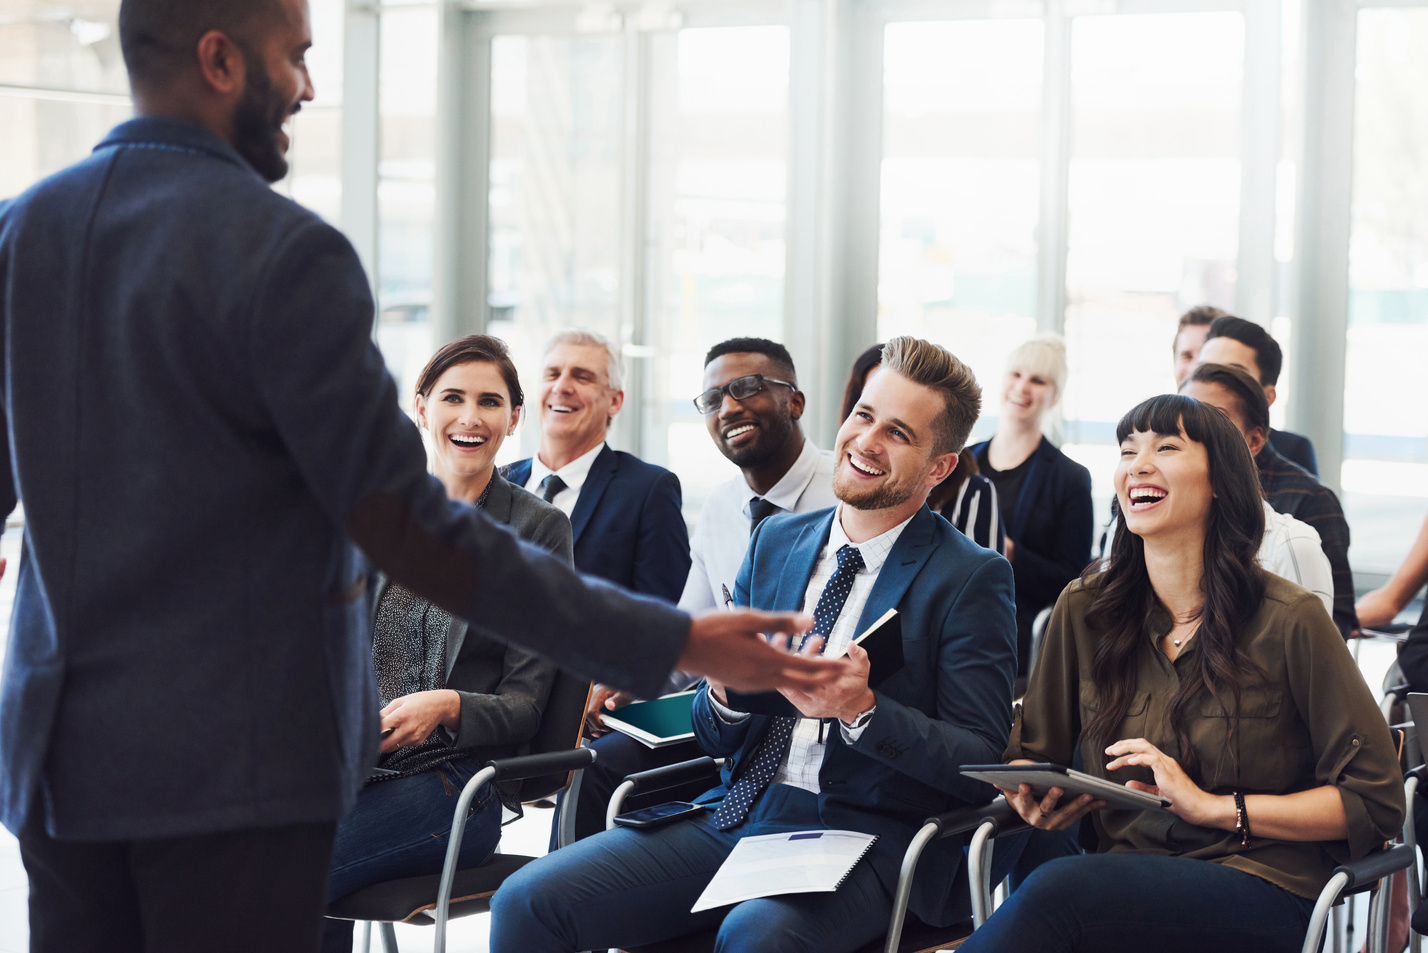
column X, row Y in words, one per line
column 740, row 388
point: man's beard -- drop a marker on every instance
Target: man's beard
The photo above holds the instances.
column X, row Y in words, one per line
column 257, row 120
column 884, row 496
column 770, row 444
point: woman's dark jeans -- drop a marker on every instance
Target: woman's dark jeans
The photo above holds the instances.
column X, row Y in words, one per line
column 1105, row 903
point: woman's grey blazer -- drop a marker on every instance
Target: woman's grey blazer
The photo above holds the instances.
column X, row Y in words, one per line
column 503, row 688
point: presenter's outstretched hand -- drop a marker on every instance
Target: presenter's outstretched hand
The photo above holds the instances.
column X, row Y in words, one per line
column 730, row 648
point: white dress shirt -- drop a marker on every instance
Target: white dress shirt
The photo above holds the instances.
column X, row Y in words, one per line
column 573, row 473
column 805, row 754
column 721, row 537
column 1292, row 549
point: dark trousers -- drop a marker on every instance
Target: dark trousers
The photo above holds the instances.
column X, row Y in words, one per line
column 1108, row 903
column 255, row 889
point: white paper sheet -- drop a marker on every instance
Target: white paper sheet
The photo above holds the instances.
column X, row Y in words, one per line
column 772, row 864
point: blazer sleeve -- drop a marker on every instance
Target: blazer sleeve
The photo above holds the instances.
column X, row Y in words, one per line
column 1044, row 564
column 511, row 714
column 976, row 655
column 662, row 552
column 335, row 412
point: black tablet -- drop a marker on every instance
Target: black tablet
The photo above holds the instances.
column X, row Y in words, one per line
column 1044, row 777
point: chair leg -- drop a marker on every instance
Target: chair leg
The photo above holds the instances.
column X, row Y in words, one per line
column 366, row 936
column 389, row 938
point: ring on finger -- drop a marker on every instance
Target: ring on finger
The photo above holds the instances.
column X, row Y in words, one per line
column 1045, row 812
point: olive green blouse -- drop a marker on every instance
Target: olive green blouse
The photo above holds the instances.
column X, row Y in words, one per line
column 1312, row 722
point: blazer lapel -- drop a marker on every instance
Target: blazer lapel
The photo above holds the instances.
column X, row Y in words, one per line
column 519, row 472
column 909, row 554
column 602, row 472
column 799, row 565
column 1030, row 489
column 498, row 508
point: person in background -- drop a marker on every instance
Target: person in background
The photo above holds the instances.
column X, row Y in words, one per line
column 1233, row 340
column 452, row 699
column 1190, row 337
column 1290, row 488
column 751, row 406
column 879, row 761
column 1044, row 496
column 1186, row 671
column 1381, row 606
column 966, row 499
column 626, row 514
column 1290, row 548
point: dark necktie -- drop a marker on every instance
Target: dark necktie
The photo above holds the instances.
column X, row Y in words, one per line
column 764, row 762
column 761, row 509
column 550, row 487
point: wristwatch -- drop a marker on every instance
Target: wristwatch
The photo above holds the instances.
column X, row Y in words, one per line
column 860, row 719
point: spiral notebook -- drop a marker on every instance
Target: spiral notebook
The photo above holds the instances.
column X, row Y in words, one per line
column 771, row 864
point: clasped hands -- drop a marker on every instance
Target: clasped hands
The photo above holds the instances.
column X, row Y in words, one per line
column 1187, row 799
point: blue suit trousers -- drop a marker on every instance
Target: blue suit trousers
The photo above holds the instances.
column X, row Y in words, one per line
column 626, row 887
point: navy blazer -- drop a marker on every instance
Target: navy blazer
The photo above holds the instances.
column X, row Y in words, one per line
column 628, row 523
column 1052, row 528
column 201, row 428
column 950, row 704
column 1296, row 448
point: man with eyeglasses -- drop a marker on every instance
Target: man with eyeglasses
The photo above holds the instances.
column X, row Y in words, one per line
column 751, row 405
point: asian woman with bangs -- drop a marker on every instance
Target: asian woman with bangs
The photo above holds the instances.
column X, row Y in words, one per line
column 1184, row 670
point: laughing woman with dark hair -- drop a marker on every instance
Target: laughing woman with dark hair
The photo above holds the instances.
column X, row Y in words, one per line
column 452, row 698
column 1185, row 670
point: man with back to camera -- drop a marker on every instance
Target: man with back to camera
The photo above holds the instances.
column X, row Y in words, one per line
column 200, row 429
column 1289, row 488
column 751, row 406
column 1290, row 548
column 874, row 760
column 1242, row 343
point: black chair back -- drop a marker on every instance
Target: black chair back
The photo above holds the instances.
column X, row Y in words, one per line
column 560, row 727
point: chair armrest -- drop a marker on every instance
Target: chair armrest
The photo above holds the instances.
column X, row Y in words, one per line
column 672, row 774
column 1376, row 866
column 1003, row 818
column 1421, row 773
column 536, row 765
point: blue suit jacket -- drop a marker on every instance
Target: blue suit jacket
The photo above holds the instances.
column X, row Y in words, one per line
column 200, row 427
column 950, row 704
column 628, row 524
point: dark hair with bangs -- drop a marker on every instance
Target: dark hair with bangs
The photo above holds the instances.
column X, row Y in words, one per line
column 1233, row 582
column 472, row 349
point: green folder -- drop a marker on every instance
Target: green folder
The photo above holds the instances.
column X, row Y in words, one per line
column 657, row 722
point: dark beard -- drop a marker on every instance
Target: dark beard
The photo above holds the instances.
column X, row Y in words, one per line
column 257, row 120
column 770, row 444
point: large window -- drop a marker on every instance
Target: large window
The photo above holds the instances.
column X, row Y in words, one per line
column 1385, row 473
column 960, row 188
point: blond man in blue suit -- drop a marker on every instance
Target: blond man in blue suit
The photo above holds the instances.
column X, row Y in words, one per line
column 858, row 758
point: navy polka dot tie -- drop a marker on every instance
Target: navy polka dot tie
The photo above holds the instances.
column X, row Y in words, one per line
column 763, row 763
